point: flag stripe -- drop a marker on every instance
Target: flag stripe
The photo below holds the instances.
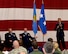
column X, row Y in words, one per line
column 51, row 34
column 20, row 24
column 49, row 4
column 27, row 14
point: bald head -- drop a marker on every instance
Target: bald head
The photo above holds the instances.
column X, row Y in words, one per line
column 16, row 44
column 22, row 53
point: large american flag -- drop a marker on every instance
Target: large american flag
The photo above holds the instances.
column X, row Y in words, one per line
column 18, row 14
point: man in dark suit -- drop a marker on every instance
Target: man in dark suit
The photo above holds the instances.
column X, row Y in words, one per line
column 26, row 38
column 60, row 32
column 9, row 38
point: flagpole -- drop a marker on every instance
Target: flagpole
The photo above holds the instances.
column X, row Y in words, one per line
column 43, row 34
column 43, row 37
column 34, row 34
column 42, row 1
column 34, row 1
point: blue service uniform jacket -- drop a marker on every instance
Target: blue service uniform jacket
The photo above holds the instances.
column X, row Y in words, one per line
column 9, row 37
column 27, row 39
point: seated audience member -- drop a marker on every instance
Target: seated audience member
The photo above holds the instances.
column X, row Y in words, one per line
column 57, row 50
column 1, row 52
column 64, row 51
column 48, row 47
column 26, row 38
column 9, row 38
column 17, row 48
column 35, row 49
column 1, row 49
column 5, row 52
column 31, row 48
column 21, row 42
column 0, row 39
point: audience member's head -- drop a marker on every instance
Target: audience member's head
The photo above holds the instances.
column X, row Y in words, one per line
column 34, row 40
column 10, row 30
column 56, row 45
column 21, row 42
column 35, row 45
column 57, row 49
column 48, row 46
column 50, row 39
column 16, row 44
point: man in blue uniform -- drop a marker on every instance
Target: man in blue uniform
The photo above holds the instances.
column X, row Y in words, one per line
column 26, row 38
column 9, row 38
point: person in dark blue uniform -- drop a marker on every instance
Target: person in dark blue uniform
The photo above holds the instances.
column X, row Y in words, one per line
column 60, row 33
column 9, row 38
column 26, row 38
